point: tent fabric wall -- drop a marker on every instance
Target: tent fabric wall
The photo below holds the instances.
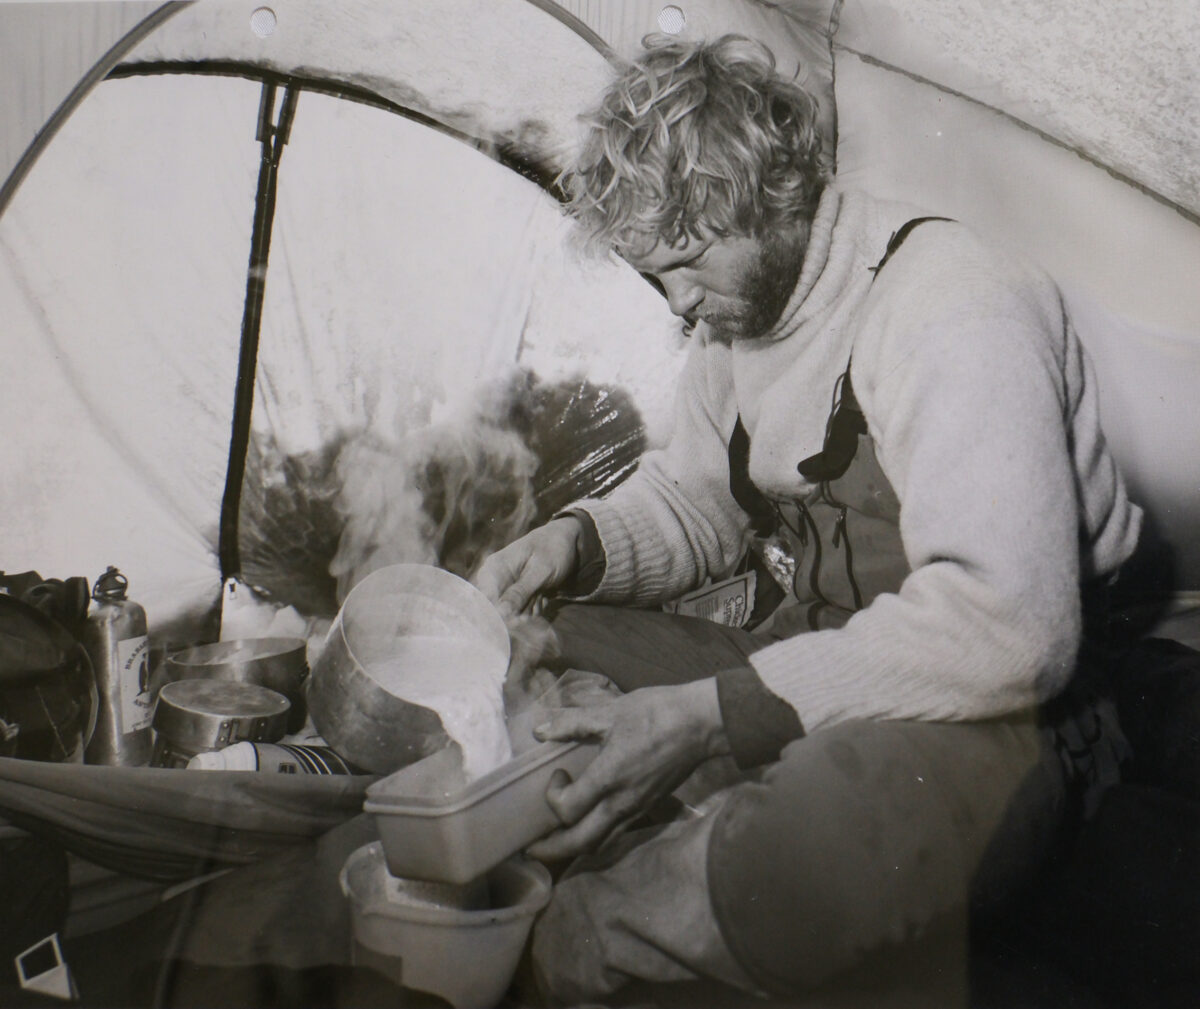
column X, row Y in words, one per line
column 1115, row 81
column 46, row 49
column 119, row 287
column 1139, row 254
column 405, row 274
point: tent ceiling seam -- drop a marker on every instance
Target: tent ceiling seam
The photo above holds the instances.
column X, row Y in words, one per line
column 1120, row 176
column 349, row 92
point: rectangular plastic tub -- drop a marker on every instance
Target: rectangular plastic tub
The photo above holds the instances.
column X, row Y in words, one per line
column 457, row 837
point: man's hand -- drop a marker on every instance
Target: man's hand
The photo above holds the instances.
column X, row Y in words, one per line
column 651, row 740
column 538, row 562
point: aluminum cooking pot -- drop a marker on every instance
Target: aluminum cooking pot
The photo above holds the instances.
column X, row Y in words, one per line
column 355, row 694
column 279, row 664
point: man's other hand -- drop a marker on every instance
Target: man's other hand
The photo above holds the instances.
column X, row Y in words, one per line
column 539, row 562
column 651, row 740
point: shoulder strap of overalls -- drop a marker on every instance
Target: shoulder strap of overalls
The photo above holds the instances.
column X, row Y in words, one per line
column 897, row 239
column 845, row 423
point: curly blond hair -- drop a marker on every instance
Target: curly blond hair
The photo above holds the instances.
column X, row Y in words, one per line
column 696, row 135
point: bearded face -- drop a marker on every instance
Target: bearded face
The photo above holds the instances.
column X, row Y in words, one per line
column 738, row 285
column 762, row 291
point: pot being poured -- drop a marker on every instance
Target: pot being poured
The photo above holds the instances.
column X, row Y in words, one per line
column 416, row 659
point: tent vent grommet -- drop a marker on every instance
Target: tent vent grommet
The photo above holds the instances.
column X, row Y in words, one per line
column 263, row 22
column 671, row 19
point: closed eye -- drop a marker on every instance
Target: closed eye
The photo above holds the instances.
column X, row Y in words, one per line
column 654, row 282
column 695, row 262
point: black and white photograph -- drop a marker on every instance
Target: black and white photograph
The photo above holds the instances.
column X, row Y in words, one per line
column 519, row 504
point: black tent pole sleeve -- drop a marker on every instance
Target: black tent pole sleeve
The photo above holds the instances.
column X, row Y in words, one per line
column 272, row 136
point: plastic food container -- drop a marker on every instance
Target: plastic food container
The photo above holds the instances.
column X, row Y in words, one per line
column 466, row 955
column 457, row 837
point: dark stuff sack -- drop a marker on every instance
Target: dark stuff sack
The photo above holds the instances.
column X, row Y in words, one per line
column 47, row 691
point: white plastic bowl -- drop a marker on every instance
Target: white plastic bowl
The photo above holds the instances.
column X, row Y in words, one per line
column 466, row 956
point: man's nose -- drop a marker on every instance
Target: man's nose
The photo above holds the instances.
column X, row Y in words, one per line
column 682, row 295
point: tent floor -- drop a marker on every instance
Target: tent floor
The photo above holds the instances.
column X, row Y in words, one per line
column 273, row 935
column 1115, row 926
column 122, row 968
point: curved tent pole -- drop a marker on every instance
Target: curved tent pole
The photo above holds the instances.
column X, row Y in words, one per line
column 89, row 80
column 578, row 27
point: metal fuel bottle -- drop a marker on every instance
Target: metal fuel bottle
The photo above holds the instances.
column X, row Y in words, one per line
column 117, row 641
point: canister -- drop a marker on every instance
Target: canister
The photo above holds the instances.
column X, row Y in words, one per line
column 117, row 642
column 194, row 716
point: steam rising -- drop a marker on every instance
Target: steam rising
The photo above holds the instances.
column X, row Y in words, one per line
column 314, row 523
column 448, row 495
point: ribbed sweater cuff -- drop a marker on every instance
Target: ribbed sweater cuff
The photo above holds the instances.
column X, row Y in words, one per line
column 589, row 572
column 640, row 555
column 758, row 723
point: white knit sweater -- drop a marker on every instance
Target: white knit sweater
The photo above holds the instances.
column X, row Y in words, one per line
column 983, row 409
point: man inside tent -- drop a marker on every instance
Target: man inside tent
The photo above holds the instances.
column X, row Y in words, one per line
column 909, row 410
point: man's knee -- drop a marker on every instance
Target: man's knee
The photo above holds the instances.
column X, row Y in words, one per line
column 568, row 948
column 861, row 837
column 638, row 910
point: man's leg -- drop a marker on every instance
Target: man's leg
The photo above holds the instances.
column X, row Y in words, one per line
column 637, row 913
column 863, row 839
column 591, row 940
column 642, row 648
column 870, row 835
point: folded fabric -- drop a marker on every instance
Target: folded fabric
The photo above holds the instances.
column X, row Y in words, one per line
column 158, row 824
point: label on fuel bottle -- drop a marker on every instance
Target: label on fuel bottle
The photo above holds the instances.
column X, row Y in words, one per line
column 133, row 667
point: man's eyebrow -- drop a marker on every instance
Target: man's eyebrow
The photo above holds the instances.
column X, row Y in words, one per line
column 687, row 261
